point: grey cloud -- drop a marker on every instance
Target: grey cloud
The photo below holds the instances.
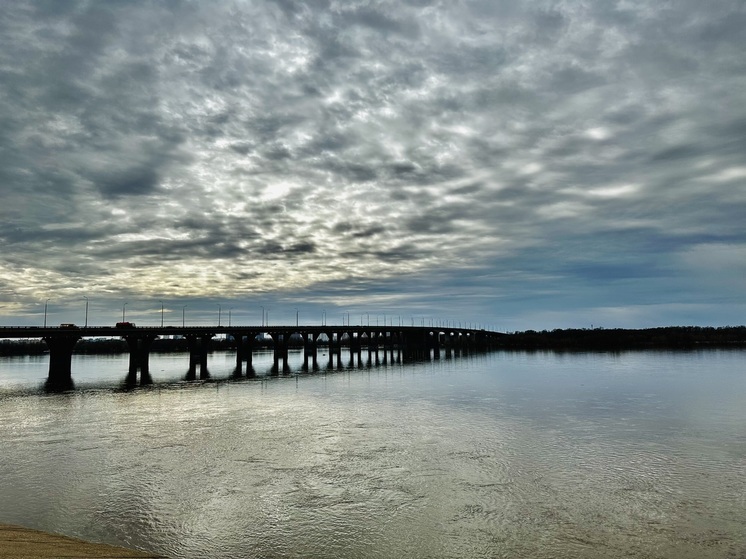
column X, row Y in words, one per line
column 493, row 150
column 136, row 181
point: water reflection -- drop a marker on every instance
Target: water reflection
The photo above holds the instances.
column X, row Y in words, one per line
column 58, row 385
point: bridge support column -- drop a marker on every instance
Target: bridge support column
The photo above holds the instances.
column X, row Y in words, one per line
column 373, row 345
column 338, row 350
column 307, row 348
column 331, row 348
column 355, row 347
column 198, row 348
column 240, row 354
column 275, row 353
column 60, row 361
column 139, row 348
column 385, row 348
column 314, row 352
column 285, row 351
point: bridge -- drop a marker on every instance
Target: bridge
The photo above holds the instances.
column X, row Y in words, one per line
column 413, row 340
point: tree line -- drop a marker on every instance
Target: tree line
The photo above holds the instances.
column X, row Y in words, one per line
column 670, row 337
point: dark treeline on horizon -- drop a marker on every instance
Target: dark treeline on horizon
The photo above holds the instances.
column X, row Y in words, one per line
column 671, row 337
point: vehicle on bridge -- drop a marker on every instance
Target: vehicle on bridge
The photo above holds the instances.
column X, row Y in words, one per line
column 69, row 325
column 125, row 324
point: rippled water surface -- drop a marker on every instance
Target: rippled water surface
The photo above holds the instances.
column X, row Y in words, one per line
column 639, row 454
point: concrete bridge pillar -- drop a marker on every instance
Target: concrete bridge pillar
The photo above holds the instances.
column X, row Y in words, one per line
column 338, row 349
column 60, row 360
column 314, row 352
column 280, row 352
column 199, row 345
column 244, row 348
column 139, row 348
column 250, row 343
column 285, row 351
column 355, row 343
column 309, row 350
column 240, row 352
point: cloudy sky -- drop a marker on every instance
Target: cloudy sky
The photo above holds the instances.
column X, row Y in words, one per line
column 533, row 164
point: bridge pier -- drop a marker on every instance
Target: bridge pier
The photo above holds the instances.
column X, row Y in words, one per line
column 244, row 349
column 60, row 360
column 240, row 354
column 199, row 345
column 338, row 350
column 309, row 350
column 139, row 348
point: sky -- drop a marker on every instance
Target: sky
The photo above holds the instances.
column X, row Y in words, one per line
column 512, row 165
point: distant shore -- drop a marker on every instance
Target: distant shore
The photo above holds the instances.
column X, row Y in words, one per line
column 619, row 339
column 17, row 541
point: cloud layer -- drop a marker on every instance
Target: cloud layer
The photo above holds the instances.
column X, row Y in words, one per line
column 534, row 164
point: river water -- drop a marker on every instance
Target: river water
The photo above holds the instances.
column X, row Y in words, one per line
column 506, row 454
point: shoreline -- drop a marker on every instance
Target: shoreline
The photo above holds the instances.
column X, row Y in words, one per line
column 21, row 542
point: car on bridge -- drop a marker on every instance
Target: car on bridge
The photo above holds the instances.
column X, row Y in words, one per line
column 125, row 324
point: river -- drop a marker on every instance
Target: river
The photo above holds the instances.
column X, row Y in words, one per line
column 505, row 454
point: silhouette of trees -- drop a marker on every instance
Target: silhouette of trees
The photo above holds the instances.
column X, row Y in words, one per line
column 671, row 337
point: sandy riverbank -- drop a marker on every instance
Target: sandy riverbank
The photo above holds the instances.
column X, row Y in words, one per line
column 23, row 543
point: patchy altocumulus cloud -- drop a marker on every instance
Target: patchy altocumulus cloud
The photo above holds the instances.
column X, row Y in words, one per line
column 532, row 164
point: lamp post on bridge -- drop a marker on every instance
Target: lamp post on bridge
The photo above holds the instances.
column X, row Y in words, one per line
column 296, row 317
column 86, row 311
column 220, row 310
column 123, row 307
column 183, row 310
column 229, row 316
column 45, row 312
column 161, row 302
column 262, row 316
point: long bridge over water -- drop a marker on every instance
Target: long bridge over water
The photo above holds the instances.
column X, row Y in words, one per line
column 61, row 342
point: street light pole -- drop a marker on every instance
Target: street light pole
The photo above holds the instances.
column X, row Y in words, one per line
column 123, row 307
column 262, row 316
column 296, row 317
column 229, row 316
column 161, row 314
column 183, row 322
column 86, row 311
column 45, row 312
column 220, row 310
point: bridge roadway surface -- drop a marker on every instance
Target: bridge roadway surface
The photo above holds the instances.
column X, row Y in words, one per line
column 113, row 331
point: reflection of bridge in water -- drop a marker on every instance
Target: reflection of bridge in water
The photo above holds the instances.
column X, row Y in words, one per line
column 377, row 340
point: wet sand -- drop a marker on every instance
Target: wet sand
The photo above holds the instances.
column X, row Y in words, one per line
column 22, row 543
